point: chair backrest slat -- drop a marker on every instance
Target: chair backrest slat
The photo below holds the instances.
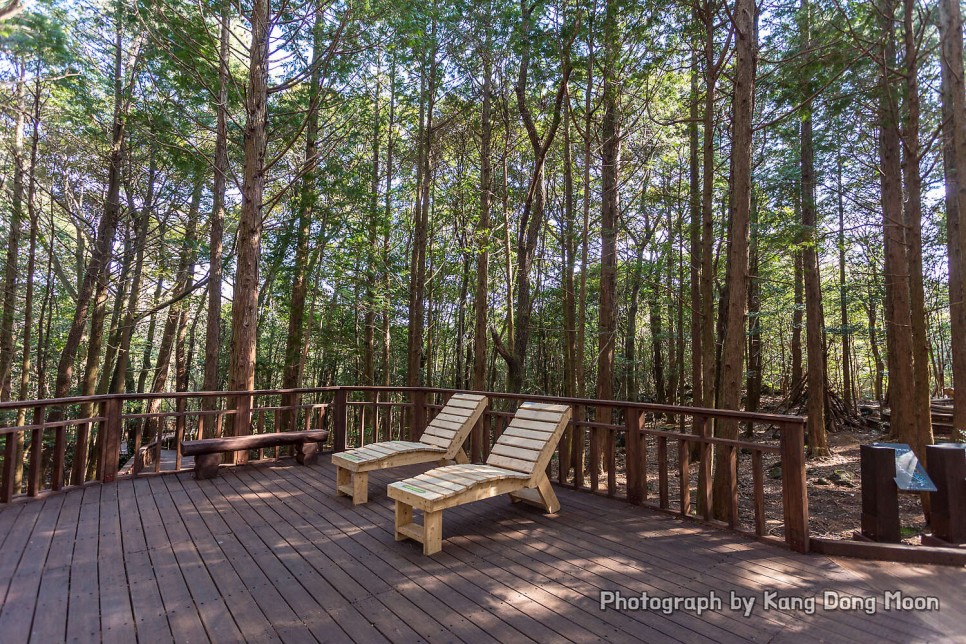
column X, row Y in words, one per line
column 454, row 422
column 528, row 442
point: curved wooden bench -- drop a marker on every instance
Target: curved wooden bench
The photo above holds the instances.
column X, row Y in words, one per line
column 207, row 452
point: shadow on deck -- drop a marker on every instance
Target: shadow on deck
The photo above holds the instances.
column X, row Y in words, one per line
column 268, row 553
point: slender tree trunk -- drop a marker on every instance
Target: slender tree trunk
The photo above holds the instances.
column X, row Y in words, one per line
column 480, row 298
column 609, row 215
column 814, row 317
column 754, row 379
column 216, row 233
column 244, row 312
column 798, row 315
column 372, row 249
column 733, row 348
column 898, row 320
column 954, row 163
column 919, row 434
column 707, row 322
column 295, row 339
column 11, row 268
column 848, row 393
column 585, row 227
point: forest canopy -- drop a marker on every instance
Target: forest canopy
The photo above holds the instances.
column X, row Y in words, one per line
column 702, row 202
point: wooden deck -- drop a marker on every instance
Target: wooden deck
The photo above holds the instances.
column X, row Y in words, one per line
column 268, row 553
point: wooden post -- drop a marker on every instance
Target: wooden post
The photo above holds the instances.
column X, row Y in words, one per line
column 946, row 465
column 9, row 467
column 476, row 440
column 634, row 455
column 111, row 440
column 35, row 476
column 418, row 415
column 684, row 476
column 577, row 446
column 794, row 495
column 242, row 424
column 880, row 495
column 339, row 421
column 179, row 424
column 704, row 469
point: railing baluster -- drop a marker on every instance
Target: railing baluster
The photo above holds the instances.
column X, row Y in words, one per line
column 704, row 470
column 634, row 455
column 9, row 467
column 759, row 483
column 36, row 474
column 577, row 453
column 731, row 463
column 684, row 467
column 60, row 453
column 179, row 424
column 611, row 462
column 662, row 483
column 594, row 459
column 339, row 421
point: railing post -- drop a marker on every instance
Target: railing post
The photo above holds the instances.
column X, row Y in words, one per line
column 794, row 495
column 110, row 454
column 9, row 468
column 179, row 423
column 634, row 455
column 35, row 476
column 419, row 415
column 339, row 410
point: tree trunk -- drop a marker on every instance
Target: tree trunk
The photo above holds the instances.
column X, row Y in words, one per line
column 848, row 393
column 733, row 346
column 216, row 233
column 609, row 215
column 480, row 298
column 244, row 311
column 954, row 163
column 918, row 434
column 898, row 320
column 11, row 267
column 295, row 339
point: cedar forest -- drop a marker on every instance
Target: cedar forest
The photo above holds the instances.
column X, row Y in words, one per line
column 703, row 202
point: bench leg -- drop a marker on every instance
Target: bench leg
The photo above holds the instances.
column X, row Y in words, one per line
column 541, row 496
column 307, row 453
column 430, row 534
column 354, row 484
column 206, row 466
column 404, row 517
column 461, row 458
column 343, row 481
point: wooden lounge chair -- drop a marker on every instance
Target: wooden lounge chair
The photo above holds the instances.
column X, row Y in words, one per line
column 516, row 466
column 442, row 441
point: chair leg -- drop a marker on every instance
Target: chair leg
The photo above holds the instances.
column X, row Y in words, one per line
column 461, row 458
column 432, row 532
column 541, row 495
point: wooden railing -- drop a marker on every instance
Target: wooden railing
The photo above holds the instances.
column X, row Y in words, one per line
column 647, row 454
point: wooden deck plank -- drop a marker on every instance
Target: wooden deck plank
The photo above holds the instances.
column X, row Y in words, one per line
column 179, row 607
column 452, row 592
column 83, row 615
column 52, row 597
column 429, row 629
column 117, row 616
column 268, row 553
column 247, row 615
column 18, row 608
column 145, row 596
column 271, row 588
column 211, row 606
